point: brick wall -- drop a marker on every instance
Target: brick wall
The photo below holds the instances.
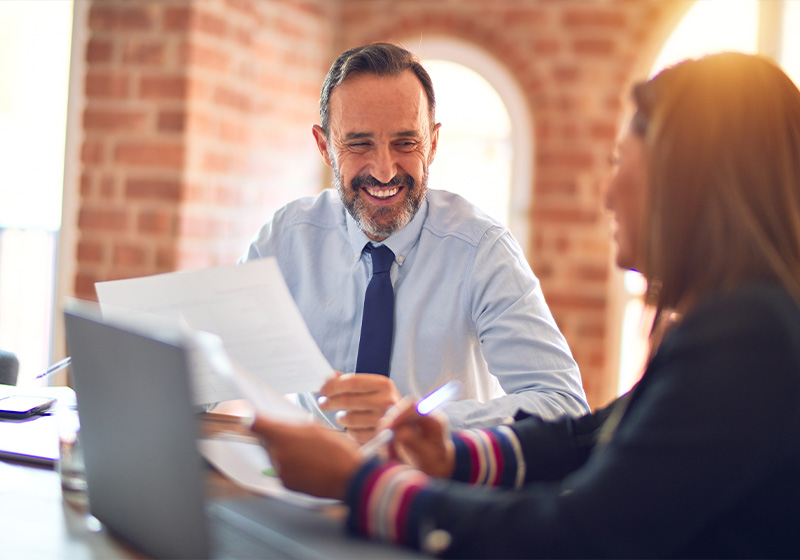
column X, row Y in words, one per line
column 194, row 129
column 198, row 115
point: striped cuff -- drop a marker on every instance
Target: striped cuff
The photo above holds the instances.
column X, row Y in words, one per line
column 386, row 502
column 489, row 457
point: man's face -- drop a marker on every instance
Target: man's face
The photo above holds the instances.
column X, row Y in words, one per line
column 380, row 146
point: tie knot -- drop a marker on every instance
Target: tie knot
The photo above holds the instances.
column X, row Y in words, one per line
column 382, row 258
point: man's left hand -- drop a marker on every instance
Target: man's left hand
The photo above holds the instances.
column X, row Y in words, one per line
column 361, row 399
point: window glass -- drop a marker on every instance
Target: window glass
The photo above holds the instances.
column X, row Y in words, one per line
column 474, row 154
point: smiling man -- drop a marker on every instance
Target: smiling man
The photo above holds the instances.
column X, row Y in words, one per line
column 457, row 300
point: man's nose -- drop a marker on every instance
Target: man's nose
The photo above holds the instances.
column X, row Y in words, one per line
column 384, row 166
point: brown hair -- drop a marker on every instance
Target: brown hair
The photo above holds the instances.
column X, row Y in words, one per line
column 722, row 135
column 381, row 59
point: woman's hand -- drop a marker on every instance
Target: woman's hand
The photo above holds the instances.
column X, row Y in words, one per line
column 310, row 458
column 421, row 440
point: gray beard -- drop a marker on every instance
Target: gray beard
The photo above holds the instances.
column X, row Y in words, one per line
column 367, row 217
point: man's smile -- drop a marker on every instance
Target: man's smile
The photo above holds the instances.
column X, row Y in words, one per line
column 381, row 193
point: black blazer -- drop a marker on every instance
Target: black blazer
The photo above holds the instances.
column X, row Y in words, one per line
column 704, row 462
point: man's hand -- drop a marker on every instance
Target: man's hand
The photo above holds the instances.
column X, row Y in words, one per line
column 361, row 399
column 310, row 458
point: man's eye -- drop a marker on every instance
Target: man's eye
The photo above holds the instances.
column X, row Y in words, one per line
column 406, row 145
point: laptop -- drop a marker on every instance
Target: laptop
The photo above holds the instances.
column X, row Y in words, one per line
column 145, row 475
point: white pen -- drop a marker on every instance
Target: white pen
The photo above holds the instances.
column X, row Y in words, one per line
column 447, row 392
column 61, row 364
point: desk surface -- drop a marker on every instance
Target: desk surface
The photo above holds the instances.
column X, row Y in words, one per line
column 36, row 521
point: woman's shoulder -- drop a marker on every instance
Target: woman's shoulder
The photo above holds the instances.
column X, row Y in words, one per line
column 756, row 302
column 754, row 318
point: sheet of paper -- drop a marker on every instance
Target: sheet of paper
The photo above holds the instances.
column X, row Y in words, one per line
column 249, row 306
column 248, row 466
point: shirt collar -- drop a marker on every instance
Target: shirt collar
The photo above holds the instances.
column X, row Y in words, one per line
column 401, row 243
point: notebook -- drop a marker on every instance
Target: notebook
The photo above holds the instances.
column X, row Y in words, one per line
column 145, row 475
column 34, row 439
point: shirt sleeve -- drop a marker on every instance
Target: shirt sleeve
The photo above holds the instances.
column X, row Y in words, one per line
column 519, row 339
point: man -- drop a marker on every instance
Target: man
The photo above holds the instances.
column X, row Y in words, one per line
column 466, row 304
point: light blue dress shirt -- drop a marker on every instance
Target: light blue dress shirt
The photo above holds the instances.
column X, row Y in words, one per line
column 467, row 306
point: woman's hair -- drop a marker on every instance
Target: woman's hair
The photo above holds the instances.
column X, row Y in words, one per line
column 722, row 137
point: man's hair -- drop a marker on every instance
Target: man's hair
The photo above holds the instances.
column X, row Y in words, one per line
column 380, row 59
column 722, row 138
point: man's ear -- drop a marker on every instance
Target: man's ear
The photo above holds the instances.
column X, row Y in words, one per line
column 434, row 142
column 322, row 143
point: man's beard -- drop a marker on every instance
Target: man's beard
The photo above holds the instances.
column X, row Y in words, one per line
column 381, row 222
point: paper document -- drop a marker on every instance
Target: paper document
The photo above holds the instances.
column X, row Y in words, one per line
column 248, row 306
column 249, row 466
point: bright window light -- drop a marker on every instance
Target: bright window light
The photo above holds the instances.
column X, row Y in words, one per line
column 712, row 26
column 34, row 63
column 474, row 154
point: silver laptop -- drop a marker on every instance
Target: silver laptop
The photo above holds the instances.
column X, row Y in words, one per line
column 145, row 475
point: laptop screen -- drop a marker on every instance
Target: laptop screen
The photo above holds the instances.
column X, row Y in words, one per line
column 145, row 475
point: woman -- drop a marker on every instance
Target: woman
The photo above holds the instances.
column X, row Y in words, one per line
column 702, row 458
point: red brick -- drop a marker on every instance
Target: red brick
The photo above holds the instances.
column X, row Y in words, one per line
column 594, row 18
column 572, row 216
column 176, row 18
column 144, row 52
column 233, row 99
column 596, row 47
column 120, row 119
column 84, row 286
column 91, row 152
column 114, row 16
column 172, row 121
column 102, row 84
column 565, row 158
column 158, row 221
column 163, row 87
column 89, row 251
column 210, row 58
column 153, row 189
column 87, row 180
column 151, row 154
column 128, row 255
column 98, row 50
column 104, row 219
column 564, row 301
column 165, row 258
column 208, row 23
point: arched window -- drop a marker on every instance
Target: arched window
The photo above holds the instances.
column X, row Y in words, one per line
column 486, row 137
column 709, row 26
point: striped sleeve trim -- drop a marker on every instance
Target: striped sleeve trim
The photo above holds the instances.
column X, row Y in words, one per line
column 489, row 457
column 384, row 504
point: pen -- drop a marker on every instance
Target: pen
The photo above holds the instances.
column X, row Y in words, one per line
column 59, row 365
column 447, row 392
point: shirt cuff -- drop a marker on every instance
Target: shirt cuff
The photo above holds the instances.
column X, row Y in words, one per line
column 489, row 457
column 387, row 501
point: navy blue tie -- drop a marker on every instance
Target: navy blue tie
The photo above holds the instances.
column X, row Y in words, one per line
column 375, row 345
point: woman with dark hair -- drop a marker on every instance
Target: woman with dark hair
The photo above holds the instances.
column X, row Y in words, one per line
column 702, row 457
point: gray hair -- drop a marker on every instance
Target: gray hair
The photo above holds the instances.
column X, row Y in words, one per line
column 380, row 59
